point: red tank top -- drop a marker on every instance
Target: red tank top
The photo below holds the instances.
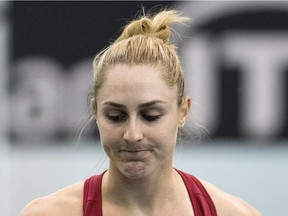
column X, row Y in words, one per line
column 200, row 199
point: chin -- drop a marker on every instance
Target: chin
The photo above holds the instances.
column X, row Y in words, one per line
column 135, row 170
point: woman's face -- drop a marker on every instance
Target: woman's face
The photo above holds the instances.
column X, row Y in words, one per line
column 138, row 119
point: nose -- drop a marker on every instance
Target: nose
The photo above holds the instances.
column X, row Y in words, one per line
column 133, row 132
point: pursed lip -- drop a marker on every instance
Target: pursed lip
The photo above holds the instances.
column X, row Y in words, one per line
column 135, row 155
column 134, row 150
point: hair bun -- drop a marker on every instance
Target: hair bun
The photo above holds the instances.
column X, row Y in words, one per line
column 158, row 25
column 137, row 27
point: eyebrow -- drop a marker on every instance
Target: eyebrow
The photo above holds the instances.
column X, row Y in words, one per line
column 140, row 106
column 151, row 103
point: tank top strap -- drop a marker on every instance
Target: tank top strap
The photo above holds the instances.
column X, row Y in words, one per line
column 92, row 196
column 200, row 198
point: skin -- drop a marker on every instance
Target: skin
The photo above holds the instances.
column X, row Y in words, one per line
column 138, row 120
column 138, row 127
column 138, row 123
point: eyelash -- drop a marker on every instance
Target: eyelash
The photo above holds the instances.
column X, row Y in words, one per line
column 122, row 117
column 151, row 118
column 116, row 118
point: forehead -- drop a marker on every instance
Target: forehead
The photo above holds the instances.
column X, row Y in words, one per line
column 144, row 82
column 133, row 75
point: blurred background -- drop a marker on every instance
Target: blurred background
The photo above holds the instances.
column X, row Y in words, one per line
column 235, row 58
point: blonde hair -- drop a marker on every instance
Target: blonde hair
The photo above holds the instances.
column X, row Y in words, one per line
column 145, row 40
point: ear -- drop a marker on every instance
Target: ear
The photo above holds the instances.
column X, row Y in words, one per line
column 184, row 110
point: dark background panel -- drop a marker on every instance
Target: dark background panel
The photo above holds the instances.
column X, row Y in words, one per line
column 69, row 31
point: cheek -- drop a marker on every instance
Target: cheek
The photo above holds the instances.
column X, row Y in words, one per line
column 108, row 134
column 110, row 140
column 166, row 133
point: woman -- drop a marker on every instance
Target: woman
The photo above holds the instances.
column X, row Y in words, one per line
column 139, row 106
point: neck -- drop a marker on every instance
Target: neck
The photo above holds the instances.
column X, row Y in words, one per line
column 147, row 192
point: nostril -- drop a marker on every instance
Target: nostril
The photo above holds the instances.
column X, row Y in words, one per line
column 133, row 136
column 133, row 132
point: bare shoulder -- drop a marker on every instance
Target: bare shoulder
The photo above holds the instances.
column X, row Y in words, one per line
column 67, row 201
column 227, row 204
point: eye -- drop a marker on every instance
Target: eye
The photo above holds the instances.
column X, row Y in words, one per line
column 152, row 114
column 151, row 118
column 116, row 116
